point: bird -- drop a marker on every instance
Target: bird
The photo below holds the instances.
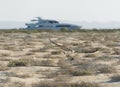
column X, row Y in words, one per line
column 67, row 51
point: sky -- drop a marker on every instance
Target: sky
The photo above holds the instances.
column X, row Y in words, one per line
column 72, row 10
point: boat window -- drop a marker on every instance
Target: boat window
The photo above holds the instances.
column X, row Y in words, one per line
column 40, row 26
column 52, row 22
column 63, row 26
column 28, row 26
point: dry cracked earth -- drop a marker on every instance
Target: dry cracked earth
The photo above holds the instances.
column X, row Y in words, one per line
column 31, row 60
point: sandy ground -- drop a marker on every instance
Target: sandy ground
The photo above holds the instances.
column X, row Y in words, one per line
column 93, row 47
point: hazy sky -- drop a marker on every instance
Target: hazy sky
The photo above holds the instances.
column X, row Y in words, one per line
column 73, row 10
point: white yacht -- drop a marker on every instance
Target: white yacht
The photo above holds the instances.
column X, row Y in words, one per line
column 39, row 23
